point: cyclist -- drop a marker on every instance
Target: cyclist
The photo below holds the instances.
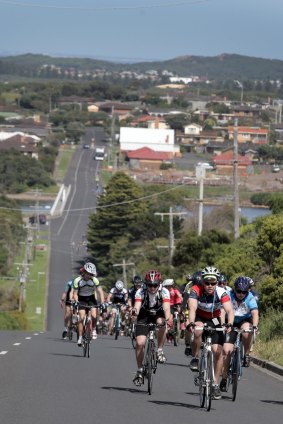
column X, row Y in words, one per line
column 194, row 280
column 175, row 297
column 84, row 289
column 223, row 282
column 205, row 302
column 152, row 305
column 253, row 291
column 246, row 317
column 118, row 295
column 137, row 283
column 65, row 300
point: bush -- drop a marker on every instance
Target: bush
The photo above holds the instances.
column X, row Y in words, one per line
column 271, row 325
column 12, row 321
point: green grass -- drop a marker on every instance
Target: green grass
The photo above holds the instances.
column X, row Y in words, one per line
column 64, row 158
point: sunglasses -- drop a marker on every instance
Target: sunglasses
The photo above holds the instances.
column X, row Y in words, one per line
column 152, row 285
column 241, row 291
column 210, row 283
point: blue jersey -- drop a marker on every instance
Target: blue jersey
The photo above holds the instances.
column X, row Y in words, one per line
column 242, row 310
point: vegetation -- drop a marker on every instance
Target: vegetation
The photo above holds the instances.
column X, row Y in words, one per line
column 19, row 173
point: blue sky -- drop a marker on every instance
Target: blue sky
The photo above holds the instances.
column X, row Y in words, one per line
column 136, row 30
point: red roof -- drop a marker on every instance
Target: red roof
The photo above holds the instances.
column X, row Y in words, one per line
column 145, row 153
column 227, row 158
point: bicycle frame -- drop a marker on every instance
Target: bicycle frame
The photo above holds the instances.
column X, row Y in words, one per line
column 205, row 376
column 150, row 356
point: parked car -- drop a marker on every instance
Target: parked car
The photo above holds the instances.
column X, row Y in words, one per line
column 206, row 165
column 275, row 168
column 86, row 146
column 41, row 217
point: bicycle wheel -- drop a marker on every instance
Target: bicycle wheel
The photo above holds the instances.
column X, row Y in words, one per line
column 133, row 336
column 202, row 380
column 150, row 366
column 209, row 381
column 175, row 332
column 235, row 373
column 117, row 326
column 70, row 328
column 87, row 339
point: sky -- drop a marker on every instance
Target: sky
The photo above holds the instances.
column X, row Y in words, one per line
column 142, row 30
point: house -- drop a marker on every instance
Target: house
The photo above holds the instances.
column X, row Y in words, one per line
column 119, row 109
column 146, row 159
column 249, row 134
column 192, row 129
column 27, row 147
column 150, row 122
column 224, row 163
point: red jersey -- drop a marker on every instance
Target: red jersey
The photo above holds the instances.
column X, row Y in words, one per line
column 175, row 297
column 209, row 305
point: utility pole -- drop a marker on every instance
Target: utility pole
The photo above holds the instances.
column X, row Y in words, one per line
column 171, row 245
column 236, row 184
column 111, row 136
column 124, row 265
column 200, row 174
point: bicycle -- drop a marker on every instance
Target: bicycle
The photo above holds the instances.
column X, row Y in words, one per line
column 175, row 328
column 205, row 376
column 73, row 321
column 117, row 321
column 87, row 330
column 150, row 356
column 133, row 334
column 235, row 371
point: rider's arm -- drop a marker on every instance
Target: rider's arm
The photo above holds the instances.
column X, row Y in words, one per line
column 75, row 296
column 184, row 303
column 101, row 294
column 166, row 308
column 193, row 304
column 255, row 317
column 228, row 308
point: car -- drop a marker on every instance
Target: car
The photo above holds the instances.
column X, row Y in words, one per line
column 41, row 217
column 275, row 168
column 205, row 165
column 86, row 146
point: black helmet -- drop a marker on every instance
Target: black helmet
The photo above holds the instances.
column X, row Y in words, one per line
column 197, row 277
column 137, row 280
column 222, row 279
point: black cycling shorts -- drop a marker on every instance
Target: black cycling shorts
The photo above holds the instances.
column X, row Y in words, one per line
column 218, row 336
column 147, row 317
column 232, row 336
column 86, row 301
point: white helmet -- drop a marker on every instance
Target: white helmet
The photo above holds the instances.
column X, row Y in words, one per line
column 210, row 272
column 119, row 285
column 168, row 282
column 90, row 268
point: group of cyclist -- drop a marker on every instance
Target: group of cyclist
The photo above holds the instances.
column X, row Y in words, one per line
column 206, row 298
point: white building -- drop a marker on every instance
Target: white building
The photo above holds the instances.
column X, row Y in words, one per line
column 159, row 140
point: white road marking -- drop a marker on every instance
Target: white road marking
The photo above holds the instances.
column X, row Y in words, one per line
column 16, row 344
column 35, row 334
column 3, row 352
column 28, row 338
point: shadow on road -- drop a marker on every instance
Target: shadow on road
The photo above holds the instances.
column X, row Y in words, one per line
column 177, row 365
column 275, row 402
column 183, row 405
column 66, row 355
column 124, row 389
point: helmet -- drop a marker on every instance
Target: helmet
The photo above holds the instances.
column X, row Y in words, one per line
column 119, row 285
column 169, row 282
column 137, row 280
column 152, row 276
column 222, row 279
column 242, row 283
column 189, row 277
column 252, row 283
column 197, row 277
column 90, row 268
column 210, row 272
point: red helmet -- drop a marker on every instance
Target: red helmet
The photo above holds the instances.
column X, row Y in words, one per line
column 152, row 276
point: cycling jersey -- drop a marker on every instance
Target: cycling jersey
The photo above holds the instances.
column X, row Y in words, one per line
column 67, row 290
column 175, row 297
column 85, row 287
column 152, row 300
column 118, row 296
column 132, row 293
column 209, row 305
column 242, row 310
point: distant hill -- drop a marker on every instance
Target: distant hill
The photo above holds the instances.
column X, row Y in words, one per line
column 225, row 66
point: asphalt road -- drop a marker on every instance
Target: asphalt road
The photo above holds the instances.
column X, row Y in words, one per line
column 46, row 380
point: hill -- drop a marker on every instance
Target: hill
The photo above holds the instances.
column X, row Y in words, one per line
column 225, row 66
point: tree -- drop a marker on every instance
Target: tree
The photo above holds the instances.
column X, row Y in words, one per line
column 270, row 239
column 120, row 207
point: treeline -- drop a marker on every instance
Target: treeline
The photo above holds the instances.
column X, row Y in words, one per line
column 11, row 232
column 125, row 227
column 19, row 173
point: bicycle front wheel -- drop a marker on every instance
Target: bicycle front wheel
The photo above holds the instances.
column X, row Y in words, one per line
column 209, row 381
column 150, row 366
column 235, row 373
column 175, row 332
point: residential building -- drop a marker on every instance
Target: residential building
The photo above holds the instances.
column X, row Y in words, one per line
column 252, row 134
